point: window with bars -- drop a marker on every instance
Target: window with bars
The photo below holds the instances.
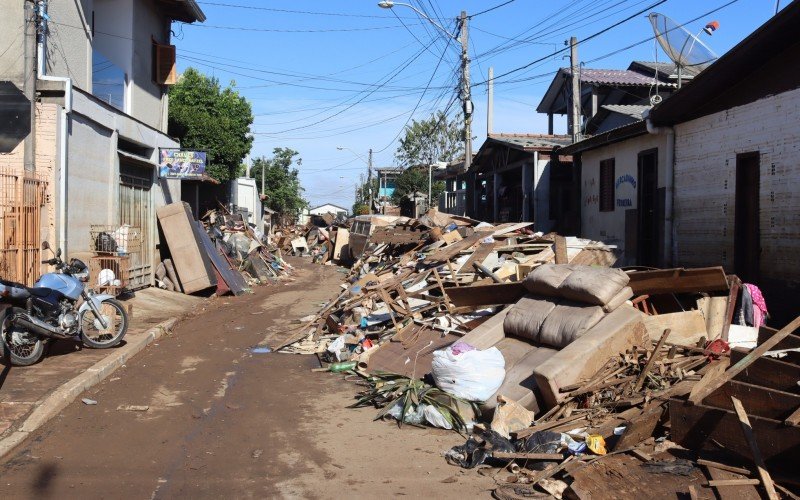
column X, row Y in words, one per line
column 606, row 194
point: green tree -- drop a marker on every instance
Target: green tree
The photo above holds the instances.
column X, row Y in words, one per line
column 204, row 116
column 415, row 179
column 428, row 141
column 362, row 195
column 282, row 188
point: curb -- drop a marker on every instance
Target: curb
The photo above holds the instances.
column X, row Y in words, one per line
column 70, row 390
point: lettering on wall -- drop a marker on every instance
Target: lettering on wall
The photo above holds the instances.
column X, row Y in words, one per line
column 622, row 180
column 625, row 179
column 592, row 199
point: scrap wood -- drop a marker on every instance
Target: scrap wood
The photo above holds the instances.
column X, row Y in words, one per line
column 640, row 380
column 793, row 419
column 747, row 429
column 729, row 468
column 732, row 482
column 713, row 381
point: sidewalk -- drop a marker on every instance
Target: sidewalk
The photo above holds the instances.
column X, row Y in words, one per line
column 22, row 389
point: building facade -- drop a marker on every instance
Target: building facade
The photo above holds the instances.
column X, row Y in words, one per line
column 102, row 70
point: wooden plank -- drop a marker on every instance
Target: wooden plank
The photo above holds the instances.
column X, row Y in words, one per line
column 747, row 429
column 759, row 401
column 653, row 357
column 622, row 476
column 686, row 327
column 729, row 468
column 479, row 255
column 698, row 395
column 486, row 295
column 640, row 428
column 680, row 280
column 451, row 251
column 741, row 492
column 694, row 426
column 768, row 372
column 794, row 418
column 732, row 482
column 561, row 250
column 789, row 342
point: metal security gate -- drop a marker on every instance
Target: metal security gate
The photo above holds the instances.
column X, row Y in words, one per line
column 136, row 209
column 22, row 197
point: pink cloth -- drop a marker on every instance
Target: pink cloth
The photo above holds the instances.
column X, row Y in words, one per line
column 759, row 305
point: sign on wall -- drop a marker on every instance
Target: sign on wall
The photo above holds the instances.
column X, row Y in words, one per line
column 181, row 164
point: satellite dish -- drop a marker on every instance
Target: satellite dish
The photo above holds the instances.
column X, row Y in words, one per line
column 687, row 51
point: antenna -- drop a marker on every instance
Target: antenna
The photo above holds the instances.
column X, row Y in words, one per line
column 687, row 51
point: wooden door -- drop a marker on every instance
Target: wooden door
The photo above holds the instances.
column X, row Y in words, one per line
column 647, row 202
column 747, row 231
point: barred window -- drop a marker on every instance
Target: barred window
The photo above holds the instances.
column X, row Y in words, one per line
column 606, row 194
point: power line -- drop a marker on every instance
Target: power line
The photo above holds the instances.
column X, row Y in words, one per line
column 289, row 11
column 584, row 40
column 490, row 9
column 280, row 30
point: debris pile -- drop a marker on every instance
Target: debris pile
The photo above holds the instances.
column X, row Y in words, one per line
column 223, row 253
column 561, row 368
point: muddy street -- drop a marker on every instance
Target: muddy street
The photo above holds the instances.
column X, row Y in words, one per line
column 222, row 420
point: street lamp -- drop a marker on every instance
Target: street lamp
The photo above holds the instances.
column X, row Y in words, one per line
column 466, row 96
column 388, row 4
column 369, row 171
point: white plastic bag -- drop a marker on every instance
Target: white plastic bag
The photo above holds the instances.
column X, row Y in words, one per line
column 336, row 347
column 435, row 417
column 473, row 375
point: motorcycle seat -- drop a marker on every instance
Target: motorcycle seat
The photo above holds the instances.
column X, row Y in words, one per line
column 39, row 291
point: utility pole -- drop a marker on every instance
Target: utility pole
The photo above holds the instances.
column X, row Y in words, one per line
column 369, row 179
column 29, row 84
column 490, row 102
column 466, row 98
column 575, row 112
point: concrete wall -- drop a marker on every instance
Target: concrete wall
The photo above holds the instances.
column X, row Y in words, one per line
column 69, row 46
column 12, row 41
column 93, row 167
column 541, row 194
column 149, row 99
column 705, row 185
column 609, row 227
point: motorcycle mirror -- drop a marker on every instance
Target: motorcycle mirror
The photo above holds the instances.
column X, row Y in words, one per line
column 45, row 245
column 58, row 253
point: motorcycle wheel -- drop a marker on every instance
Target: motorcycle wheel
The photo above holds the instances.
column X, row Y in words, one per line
column 92, row 332
column 20, row 348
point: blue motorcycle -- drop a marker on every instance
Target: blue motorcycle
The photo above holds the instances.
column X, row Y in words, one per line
column 57, row 307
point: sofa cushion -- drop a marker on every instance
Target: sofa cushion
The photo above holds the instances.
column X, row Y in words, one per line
column 520, row 383
column 546, row 279
column 526, row 317
column 615, row 333
column 567, row 322
column 593, row 285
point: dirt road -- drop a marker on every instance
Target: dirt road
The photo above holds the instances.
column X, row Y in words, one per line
column 226, row 422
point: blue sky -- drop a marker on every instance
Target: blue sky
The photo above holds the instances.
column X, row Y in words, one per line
column 350, row 74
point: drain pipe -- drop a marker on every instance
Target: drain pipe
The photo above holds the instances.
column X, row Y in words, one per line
column 669, row 187
column 41, row 71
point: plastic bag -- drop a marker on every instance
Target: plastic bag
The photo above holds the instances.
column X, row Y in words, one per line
column 473, row 375
column 435, row 417
column 336, row 347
